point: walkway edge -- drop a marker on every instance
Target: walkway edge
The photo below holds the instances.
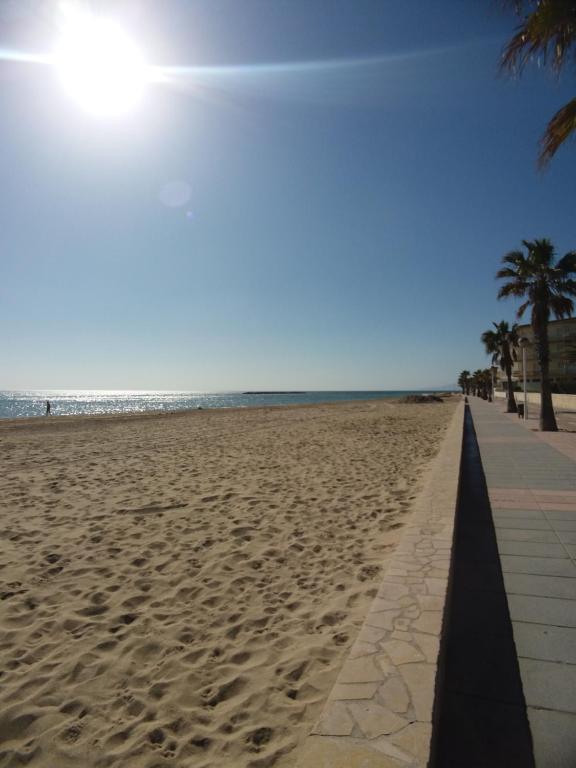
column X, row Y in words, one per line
column 380, row 712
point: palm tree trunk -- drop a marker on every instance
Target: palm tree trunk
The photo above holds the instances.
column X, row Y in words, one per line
column 511, row 406
column 547, row 417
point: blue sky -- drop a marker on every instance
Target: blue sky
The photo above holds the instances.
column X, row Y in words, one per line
column 346, row 213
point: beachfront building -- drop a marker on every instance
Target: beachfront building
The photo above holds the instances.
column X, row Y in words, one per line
column 562, row 336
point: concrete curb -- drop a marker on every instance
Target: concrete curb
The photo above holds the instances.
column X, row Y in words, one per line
column 380, row 711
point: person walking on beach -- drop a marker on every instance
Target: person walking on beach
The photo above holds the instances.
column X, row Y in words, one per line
column 48, row 407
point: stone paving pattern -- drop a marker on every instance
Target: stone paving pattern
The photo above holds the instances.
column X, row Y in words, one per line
column 379, row 714
column 531, row 479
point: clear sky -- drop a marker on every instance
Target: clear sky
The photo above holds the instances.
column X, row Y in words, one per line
column 331, row 224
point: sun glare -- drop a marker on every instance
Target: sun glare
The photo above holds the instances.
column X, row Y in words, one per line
column 100, row 66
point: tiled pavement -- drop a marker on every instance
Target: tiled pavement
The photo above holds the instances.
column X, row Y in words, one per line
column 531, row 483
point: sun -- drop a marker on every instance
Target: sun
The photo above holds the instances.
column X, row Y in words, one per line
column 100, row 67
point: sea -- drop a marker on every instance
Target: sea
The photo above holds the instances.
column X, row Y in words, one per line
column 19, row 405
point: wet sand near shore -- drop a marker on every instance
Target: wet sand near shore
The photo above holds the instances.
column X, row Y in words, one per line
column 180, row 591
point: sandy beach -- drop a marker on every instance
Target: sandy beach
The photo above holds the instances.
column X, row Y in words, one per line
column 181, row 590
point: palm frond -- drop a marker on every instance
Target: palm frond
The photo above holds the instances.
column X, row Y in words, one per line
column 516, row 258
column 548, row 32
column 567, row 263
column 507, row 272
column 541, row 253
column 491, row 341
column 514, row 339
column 547, row 35
column 561, row 306
column 522, row 308
column 564, row 287
column 558, row 130
column 519, row 288
column 514, row 334
column 545, row 285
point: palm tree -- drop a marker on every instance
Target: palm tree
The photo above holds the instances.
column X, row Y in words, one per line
column 473, row 383
column 486, row 383
column 464, row 382
column 501, row 344
column 481, row 383
column 548, row 34
column 476, row 382
column 546, row 285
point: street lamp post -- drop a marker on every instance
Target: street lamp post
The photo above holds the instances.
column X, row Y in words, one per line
column 524, row 344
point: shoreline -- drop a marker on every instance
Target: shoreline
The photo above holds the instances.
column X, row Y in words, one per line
column 130, row 415
column 205, row 406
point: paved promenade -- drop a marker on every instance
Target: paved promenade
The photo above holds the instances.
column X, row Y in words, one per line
column 531, row 485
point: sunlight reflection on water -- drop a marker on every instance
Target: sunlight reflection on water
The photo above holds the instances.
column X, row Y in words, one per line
column 97, row 402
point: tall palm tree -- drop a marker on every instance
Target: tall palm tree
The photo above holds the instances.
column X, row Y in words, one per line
column 547, row 34
column 464, row 382
column 547, row 286
column 501, row 344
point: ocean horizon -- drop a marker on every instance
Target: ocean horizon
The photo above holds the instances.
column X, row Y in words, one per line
column 16, row 404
